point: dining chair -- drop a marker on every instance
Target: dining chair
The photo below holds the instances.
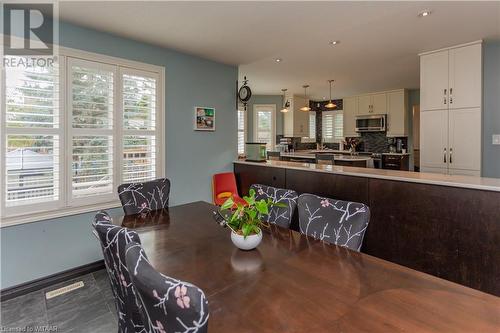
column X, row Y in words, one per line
column 324, row 158
column 274, row 155
column 144, row 197
column 168, row 304
column 113, row 240
column 334, row 221
column 223, row 187
column 281, row 216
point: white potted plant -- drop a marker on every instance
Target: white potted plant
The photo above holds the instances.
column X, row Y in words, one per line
column 246, row 221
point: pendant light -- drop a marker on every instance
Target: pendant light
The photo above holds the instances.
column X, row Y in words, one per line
column 286, row 103
column 330, row 104
column 306, row 107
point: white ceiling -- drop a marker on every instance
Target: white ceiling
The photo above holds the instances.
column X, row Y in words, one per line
column 379, row 40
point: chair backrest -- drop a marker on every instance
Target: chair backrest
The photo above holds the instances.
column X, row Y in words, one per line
column 144, row 197
column 113, row 241
column 324, row 158
column 168, row 305
column 224, row 182
column 281, row 216
column 274, row 155
column 334, row 221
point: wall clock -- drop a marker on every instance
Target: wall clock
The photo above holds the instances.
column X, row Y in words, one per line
column 244, row 93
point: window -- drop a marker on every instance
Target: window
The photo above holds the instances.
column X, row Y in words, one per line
column 312, row 128
column 265, row 124
column 241, row 131
column 333, row 126
column 73, row 132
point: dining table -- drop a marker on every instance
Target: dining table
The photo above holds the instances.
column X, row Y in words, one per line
column 295, row 283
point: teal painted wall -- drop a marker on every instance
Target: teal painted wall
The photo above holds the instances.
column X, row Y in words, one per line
column 264, row 99
column 34, row 250
column 491, row 109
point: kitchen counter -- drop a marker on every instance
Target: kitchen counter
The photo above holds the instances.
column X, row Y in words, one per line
column 478, row 183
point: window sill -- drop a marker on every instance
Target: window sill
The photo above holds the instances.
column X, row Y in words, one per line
column 53, row 214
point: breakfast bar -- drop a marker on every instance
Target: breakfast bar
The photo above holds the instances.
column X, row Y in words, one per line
column 444, row 225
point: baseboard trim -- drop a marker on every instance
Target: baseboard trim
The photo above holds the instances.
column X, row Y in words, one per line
column 34, row 285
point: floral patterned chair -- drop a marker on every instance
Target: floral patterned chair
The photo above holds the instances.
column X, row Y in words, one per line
column 144, row 197
column 113, row 240
column 334, row 221
column 168, row 305
column 281, row 216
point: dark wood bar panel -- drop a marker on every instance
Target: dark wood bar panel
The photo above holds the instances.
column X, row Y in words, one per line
column 449, row 232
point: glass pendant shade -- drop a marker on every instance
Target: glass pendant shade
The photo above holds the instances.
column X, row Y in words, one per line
column 330, row 104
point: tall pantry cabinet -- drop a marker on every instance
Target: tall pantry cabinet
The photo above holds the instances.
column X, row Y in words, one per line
column 450, row 110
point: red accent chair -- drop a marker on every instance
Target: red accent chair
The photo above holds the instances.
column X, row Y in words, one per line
column 223, row 187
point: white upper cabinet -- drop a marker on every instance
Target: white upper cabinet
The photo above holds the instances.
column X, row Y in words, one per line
column 465, row 69
column 364, row 105
column 372, row 104
column 379, row 103
column 434, row 77
column 397, row 113
column 350, row 112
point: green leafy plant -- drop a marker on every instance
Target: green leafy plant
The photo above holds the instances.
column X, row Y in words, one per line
column 248, row 219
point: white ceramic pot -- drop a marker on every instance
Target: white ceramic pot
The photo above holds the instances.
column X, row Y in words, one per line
column 246, row 243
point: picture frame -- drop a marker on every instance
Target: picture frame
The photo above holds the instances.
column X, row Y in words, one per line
column 204, row 118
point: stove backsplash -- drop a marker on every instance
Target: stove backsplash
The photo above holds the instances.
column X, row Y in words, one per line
column 378, row 142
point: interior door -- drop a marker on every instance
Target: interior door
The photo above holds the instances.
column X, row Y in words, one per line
column 434, row 140
column 434, row 81
column 465, row 139
column 465, row 77
column 364, row 103
column 379, row 103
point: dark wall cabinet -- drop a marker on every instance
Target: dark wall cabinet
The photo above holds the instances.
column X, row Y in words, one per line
column 449, row 232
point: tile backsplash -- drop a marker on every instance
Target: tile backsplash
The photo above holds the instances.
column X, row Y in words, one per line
column 378, row 142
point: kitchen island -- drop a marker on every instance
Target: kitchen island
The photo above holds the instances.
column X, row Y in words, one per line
column 447, row 226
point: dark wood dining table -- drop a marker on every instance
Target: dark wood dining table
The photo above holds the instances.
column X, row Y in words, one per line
column 294, row 283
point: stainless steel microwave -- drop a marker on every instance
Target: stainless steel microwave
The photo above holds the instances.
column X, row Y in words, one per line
column 374, row 123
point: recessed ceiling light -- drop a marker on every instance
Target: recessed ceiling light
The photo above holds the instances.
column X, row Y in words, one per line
column 334, row 42
column 424, row 13
column 278, row 60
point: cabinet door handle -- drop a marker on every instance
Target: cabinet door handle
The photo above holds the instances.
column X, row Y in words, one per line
column 444, row 156
column 451, row 95
column 444, row 97
column 451, row 153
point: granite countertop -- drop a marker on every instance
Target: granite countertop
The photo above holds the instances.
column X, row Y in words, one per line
column 478, row 183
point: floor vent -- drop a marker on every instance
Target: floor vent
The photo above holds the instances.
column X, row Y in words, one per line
column 64, row 290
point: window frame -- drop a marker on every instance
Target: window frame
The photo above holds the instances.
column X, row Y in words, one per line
column 65, row 206
column 323, row 115
column 273, row 122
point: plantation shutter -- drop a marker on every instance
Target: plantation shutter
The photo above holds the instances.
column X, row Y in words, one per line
column 241, row 132
column 139, row 94
column 333, row 126
column 32, row 132
column 92, row 109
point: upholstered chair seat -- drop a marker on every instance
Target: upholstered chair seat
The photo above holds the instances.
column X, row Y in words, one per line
column 144, row 197
column 334, row 221
column 168, row 304
column 281, row 216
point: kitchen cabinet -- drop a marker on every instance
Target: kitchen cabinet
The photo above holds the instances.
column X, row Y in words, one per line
column 397, row 113
column 450, row 117
column 350, row 112
column 464, row 141
column 296, row 122
column 434, row 137
column 465, row 77
column 434, row 79
column 372, row 104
